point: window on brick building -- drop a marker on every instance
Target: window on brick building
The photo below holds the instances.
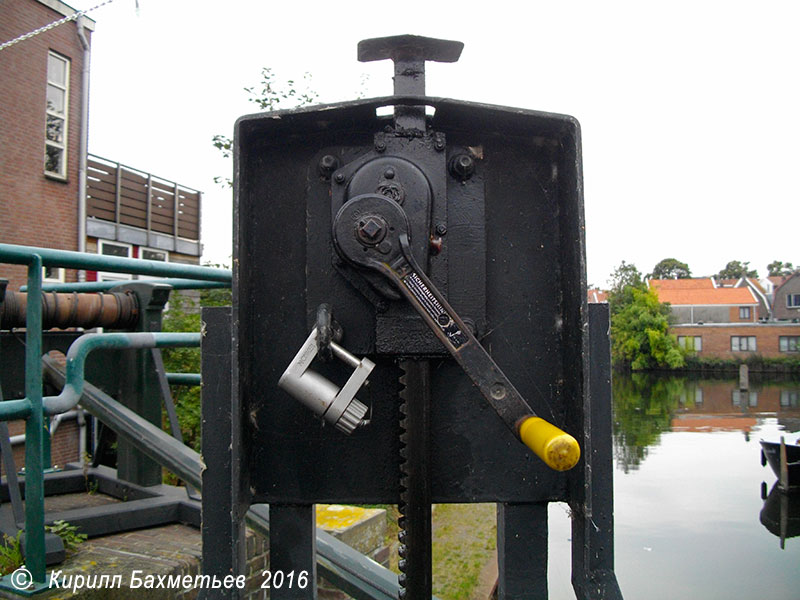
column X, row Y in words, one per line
column 114, row 249
column 743, row 343
column 55, row 140
column 53, row 274
column 790, row 398
column 150, row 254
column 789, row 343
column 691, row 342
column 744, row 312
column 744, row 398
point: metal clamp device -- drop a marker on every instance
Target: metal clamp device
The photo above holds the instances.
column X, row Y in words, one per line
column 337, row 406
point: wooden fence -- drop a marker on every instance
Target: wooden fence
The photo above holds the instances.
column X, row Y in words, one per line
column 122, row 195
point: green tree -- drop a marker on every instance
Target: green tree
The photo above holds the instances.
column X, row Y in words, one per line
column 736, row 269
column 270, row 93
column 625, row 278
column 778, row 268
column 639, row 332
column 671, row 268
column 184, row 315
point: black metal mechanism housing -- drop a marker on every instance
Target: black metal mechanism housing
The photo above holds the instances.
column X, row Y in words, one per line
column 494, row 203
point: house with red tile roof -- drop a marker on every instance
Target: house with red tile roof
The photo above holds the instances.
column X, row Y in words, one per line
column 702, row 300
column 596, row 296
column 723, row 321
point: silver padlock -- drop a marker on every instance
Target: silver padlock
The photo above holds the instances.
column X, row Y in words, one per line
column 337, row 406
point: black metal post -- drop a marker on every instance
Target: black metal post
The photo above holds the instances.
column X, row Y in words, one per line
column 139, row 387
column 592, row 502
column 223, row 520
column 522, row 551
column 292, row 550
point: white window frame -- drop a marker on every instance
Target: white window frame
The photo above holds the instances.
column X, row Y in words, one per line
column 749, row 344
column 740, row 397
column 789, row 398
column 109, row 276
column 60, row 147
column 143, row 249
column 696, row 343
column 59, row 276
column 785, row 345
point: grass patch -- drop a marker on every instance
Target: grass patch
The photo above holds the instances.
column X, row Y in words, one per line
column 464, row 537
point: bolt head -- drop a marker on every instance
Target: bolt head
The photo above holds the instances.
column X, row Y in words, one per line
column 371, row 230
column 462, row 166
column 327, row 165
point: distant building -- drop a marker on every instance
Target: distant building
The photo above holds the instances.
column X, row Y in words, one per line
column 703, row 301
column 43, row 128
column 596, row 296
column 52, row 192
column 726, row 319
column 786, row 299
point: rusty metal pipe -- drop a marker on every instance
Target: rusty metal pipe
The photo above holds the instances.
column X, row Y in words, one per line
column 112, row 310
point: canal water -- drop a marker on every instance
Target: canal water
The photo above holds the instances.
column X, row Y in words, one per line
column 691, row 517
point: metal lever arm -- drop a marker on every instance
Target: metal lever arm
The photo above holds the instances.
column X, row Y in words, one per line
column 558, row 449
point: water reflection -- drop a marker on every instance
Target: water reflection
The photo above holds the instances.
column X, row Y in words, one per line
column 646, row 405
column 687, row 503
column 781, row 514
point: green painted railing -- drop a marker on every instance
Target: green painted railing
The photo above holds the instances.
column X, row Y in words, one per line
column 33, row 407
column 105, row 286
column 20, row 255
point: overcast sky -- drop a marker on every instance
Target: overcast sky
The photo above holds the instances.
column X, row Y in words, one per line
column 689, row 110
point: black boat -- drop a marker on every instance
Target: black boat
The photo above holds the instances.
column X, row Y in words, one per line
column 785, row 462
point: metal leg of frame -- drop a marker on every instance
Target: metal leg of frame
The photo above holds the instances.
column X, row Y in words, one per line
column 292, row 552
column 223, row 516
column 592, row 505
column 522, row 551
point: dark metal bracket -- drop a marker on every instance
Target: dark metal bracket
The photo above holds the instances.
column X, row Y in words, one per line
column 409, row 53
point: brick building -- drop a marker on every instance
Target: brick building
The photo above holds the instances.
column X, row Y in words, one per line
column 728, row 321
column 52, row 192
column 770, row 339
column 703, row 301
column 44, row 129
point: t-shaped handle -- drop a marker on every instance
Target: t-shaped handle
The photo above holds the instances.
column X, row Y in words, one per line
column 409, row 53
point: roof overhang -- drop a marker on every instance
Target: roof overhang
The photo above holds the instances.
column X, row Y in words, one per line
column 67, row 11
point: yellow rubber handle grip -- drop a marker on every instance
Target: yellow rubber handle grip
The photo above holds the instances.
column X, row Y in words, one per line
column 558, row 449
